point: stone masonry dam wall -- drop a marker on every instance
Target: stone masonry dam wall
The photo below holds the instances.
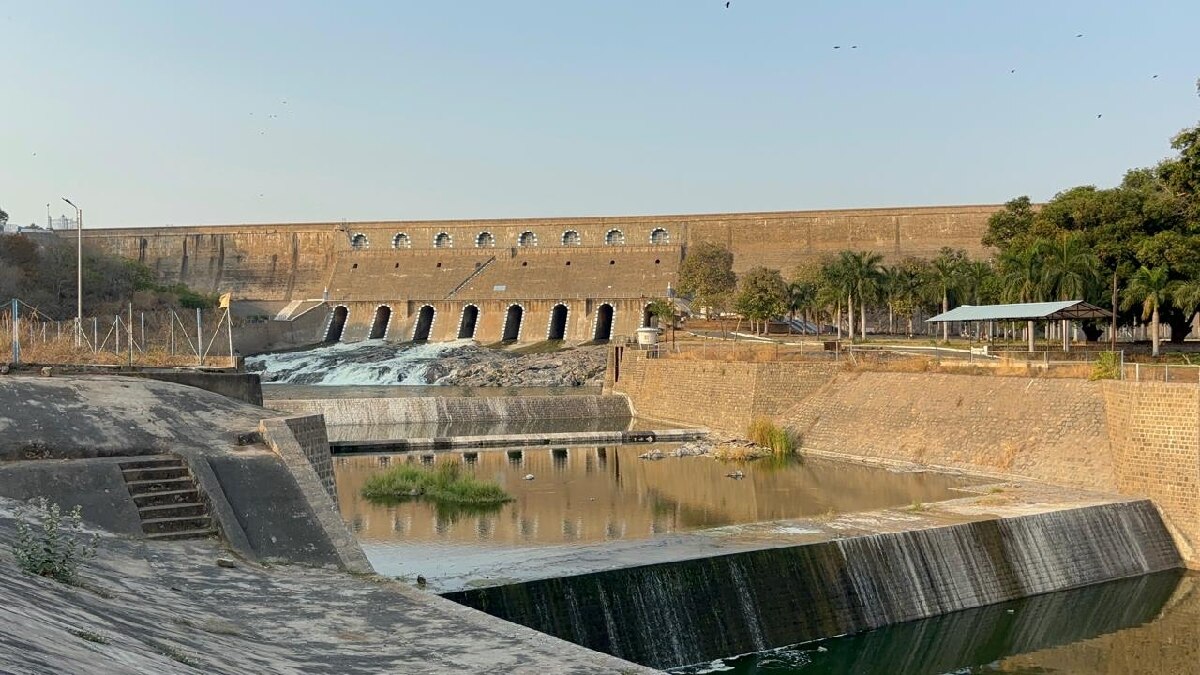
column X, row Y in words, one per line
column 692, row 611
column 1133, row 438
column 497, row 264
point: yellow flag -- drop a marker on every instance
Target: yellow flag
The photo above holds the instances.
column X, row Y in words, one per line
column 225, row 300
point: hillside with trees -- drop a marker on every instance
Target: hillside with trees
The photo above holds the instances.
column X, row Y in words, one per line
column 41, row 272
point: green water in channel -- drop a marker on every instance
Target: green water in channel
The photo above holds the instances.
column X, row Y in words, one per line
column 1148, row 624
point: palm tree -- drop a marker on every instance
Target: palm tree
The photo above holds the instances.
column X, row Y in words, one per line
column 1070, row 270
column 864, row 279
column 1150, row 288
column 1021, row 279
column 945, row 278
column 835, row 284
column 800, row 295
column 1186, row 296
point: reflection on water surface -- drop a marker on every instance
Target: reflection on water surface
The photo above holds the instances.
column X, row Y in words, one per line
column 1148, row 624
column 582, row 495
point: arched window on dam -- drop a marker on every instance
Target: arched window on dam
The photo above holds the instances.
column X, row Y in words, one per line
column 424, row 324
column 659, row 236
column 604, row 323
column 485, row 240
column 470, row 319
column 401, row 240
column 527, row 239
column 571, row 238
column 383, row 316
column 443, row 240
column 614, row 238
column 359, row 241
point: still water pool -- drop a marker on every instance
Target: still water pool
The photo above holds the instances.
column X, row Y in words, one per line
column 590, row 495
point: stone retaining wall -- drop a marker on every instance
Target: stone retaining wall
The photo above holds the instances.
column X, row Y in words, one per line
column 1133, row 438
column 320, row 497
column 1155, row 434
column 719, row 395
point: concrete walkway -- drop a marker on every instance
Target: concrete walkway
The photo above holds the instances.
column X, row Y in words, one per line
column 167, row 607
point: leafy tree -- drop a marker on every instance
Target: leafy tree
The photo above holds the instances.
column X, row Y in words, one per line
column 3, row 218
column 1149, row 288
column 763, row 294
column 800, row 296
column 664, row 312
column 1013, row 223
column 706, row 275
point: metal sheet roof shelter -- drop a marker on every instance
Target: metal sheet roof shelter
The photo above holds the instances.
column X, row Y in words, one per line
column 1066, row 310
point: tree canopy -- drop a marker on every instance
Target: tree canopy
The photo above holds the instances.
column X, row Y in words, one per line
column 42, row 273
column 706, row 275
column 1086, row 235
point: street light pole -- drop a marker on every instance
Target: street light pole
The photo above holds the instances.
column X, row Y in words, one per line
column 78, row 271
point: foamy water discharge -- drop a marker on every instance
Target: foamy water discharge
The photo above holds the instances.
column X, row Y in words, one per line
column 372, row 362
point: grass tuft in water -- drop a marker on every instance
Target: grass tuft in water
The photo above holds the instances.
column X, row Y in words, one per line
column 445, row 483
column 781, row 440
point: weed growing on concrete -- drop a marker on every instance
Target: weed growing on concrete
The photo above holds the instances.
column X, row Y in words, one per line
column 917, row 506
column 57, row 548
column 781, row 440
column 90, row 636
column 444, row 483
column 1106, row 367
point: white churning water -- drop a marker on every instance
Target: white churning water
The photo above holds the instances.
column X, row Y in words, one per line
column 372, row 362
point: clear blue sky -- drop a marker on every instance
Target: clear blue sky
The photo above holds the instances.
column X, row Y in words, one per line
column 154, row 112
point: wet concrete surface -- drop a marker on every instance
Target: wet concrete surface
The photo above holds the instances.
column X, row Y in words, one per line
column 167, row 607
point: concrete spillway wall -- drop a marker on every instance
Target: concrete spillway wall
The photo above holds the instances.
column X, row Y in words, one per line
column 442, row 410
column 690, row 611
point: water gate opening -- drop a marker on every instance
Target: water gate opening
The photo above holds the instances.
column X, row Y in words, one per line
column 424, row 324
column 604, row 322
column 383, row 316
column 337, row 324
column 558, row 323
column 512, row 323
column 466, row 327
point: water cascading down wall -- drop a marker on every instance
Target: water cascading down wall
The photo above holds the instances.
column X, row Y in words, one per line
column 690, row 611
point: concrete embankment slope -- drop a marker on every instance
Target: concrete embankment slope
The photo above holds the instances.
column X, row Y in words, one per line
column 63, row 438
column 1134, row 438
column 148, row 608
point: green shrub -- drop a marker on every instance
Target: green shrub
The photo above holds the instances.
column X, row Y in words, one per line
column 1107, row 367
column 56, row 549
column 444, row 483
column 781, row 440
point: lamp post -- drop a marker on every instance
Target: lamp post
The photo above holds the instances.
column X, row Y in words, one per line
column 78, row 271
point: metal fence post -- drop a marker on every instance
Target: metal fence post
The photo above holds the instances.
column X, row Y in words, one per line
column 16, row 335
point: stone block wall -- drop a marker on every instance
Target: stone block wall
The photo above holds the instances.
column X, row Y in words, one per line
column 1155, row 432
column 312, row 469
column 1049, row 429
column 309, row 432
column 1136, row 438
column 719, row 395
column 283, row 262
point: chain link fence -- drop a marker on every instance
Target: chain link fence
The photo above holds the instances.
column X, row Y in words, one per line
column 200, row 337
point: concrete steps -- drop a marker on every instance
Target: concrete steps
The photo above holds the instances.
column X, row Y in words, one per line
column 167, row 499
